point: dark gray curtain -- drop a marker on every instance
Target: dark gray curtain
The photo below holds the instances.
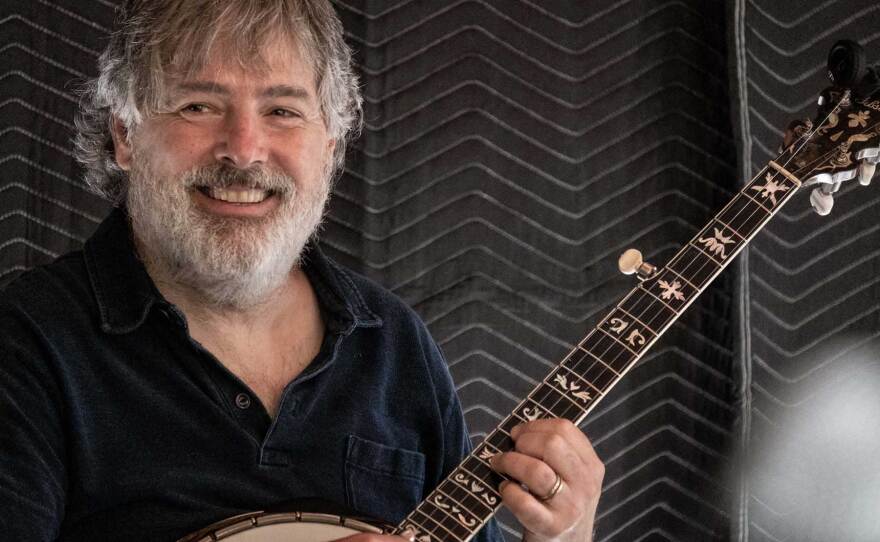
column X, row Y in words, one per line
column 512, row 150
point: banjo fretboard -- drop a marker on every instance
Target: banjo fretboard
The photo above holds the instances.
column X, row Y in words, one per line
column 468, row 497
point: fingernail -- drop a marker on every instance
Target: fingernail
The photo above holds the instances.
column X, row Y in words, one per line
column 516, row 430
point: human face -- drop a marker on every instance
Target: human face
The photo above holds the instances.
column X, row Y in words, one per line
column 230, row 178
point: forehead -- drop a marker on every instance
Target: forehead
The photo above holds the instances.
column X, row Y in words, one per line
column 279, row 67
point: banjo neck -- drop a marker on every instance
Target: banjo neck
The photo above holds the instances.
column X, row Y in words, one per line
column 469, row 496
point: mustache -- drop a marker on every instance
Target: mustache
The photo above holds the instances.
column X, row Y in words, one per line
column 224, row 176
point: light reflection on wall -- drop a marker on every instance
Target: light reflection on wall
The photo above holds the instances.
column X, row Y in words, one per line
column 819, row 469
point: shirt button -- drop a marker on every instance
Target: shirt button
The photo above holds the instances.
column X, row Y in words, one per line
column 242, row 401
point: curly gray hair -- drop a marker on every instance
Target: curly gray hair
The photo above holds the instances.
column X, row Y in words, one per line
column 155, row 38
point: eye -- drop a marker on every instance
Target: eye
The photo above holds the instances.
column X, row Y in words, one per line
column 195, row 108
column 284, row 113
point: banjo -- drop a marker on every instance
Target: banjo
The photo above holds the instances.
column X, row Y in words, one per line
column 842, row 143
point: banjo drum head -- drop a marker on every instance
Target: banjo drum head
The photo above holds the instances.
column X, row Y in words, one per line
column 283, row 527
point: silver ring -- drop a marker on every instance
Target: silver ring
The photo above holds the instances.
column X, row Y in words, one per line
column 557, row 486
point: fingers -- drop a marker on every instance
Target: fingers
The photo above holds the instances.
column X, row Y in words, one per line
column 543, row 450
column 529, row 438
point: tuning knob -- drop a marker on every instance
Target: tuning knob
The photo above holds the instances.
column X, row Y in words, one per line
column 866, row 171
column 631, row 262
column 821, row 201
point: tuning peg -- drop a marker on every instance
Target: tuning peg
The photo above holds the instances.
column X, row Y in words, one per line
column 821, row 200
column 866, row 171
column 631, row 262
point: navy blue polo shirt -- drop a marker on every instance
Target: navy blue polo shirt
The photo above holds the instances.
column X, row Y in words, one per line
column 115, row 424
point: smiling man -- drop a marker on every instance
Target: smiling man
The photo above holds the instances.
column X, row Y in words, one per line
column 209, row 360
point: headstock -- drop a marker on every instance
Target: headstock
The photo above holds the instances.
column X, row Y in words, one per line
column 843, row 141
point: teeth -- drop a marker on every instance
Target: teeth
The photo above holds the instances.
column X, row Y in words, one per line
column 239, row 196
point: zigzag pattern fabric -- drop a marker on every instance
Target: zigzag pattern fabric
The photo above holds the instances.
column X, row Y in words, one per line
column 513, row 148
column 814, row 300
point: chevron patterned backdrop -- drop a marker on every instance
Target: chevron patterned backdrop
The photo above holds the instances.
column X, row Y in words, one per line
column 814, row 299
column 513, row 149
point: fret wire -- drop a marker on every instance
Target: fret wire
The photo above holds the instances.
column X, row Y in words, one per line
column 646, row 326
column 471, row 493
column 584, row 380
column 594, row 362
column 459, row 505
column 618, row 341
column 447, row 515
column 567, row 398
column 756, row 202
column 468, row 499
column 658, row 299
column 732, row 229
column 443, row 527
column 562, row 399
column 594, row 356
column 654, row 305
column 706, row 254
column 692, row 285
column 599, row 356
column 484, row 482
column 603, row 367
column 421, row 528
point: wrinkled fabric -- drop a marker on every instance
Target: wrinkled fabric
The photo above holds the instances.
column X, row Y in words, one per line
column 116, row 424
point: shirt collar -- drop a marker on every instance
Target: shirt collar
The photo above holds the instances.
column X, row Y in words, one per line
column 125, row 293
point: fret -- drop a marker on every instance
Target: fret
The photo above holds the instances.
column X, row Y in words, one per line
column 435, row 525
column 626, row 315
column 744, row 214
column 422, row 533
column 467, row 499
column 476, row 487
column 485, row 452
column 560, row 404
column 705, row 252
column 484, row 473
column 632, row 334
column 608, row 351
column 692, row 263
column 531, row 410
column 636, row 339
column 650, row 309
column 770, row 188
column 448, row 516
column 455, row 510
column 563, row 377
column 500, row 437
column 727, row 227
column 681, row 277
column 718, row 241
column 590, row 369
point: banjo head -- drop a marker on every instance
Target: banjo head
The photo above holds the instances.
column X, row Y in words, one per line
column 286, row 527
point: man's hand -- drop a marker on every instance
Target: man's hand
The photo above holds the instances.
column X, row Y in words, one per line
column 564, row 476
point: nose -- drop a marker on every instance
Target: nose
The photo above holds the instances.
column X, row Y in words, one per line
column 242, row 143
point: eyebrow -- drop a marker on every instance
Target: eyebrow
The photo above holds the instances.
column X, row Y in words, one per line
column 274, row 91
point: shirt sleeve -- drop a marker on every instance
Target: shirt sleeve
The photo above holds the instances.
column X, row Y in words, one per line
column 32, row 466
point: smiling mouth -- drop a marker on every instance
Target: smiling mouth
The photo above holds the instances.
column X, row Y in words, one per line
column 229, row 195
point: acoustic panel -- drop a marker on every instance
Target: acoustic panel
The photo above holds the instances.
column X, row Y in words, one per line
column 512, row 150
column 814, row 300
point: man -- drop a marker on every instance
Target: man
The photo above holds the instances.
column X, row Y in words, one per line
column 199, row 357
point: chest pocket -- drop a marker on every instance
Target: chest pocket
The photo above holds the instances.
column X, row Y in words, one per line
column 383, row 482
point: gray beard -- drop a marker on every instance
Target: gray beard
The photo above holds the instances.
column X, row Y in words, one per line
column 232, row 263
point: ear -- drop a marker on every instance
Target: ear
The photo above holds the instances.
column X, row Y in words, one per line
column 121, row 144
